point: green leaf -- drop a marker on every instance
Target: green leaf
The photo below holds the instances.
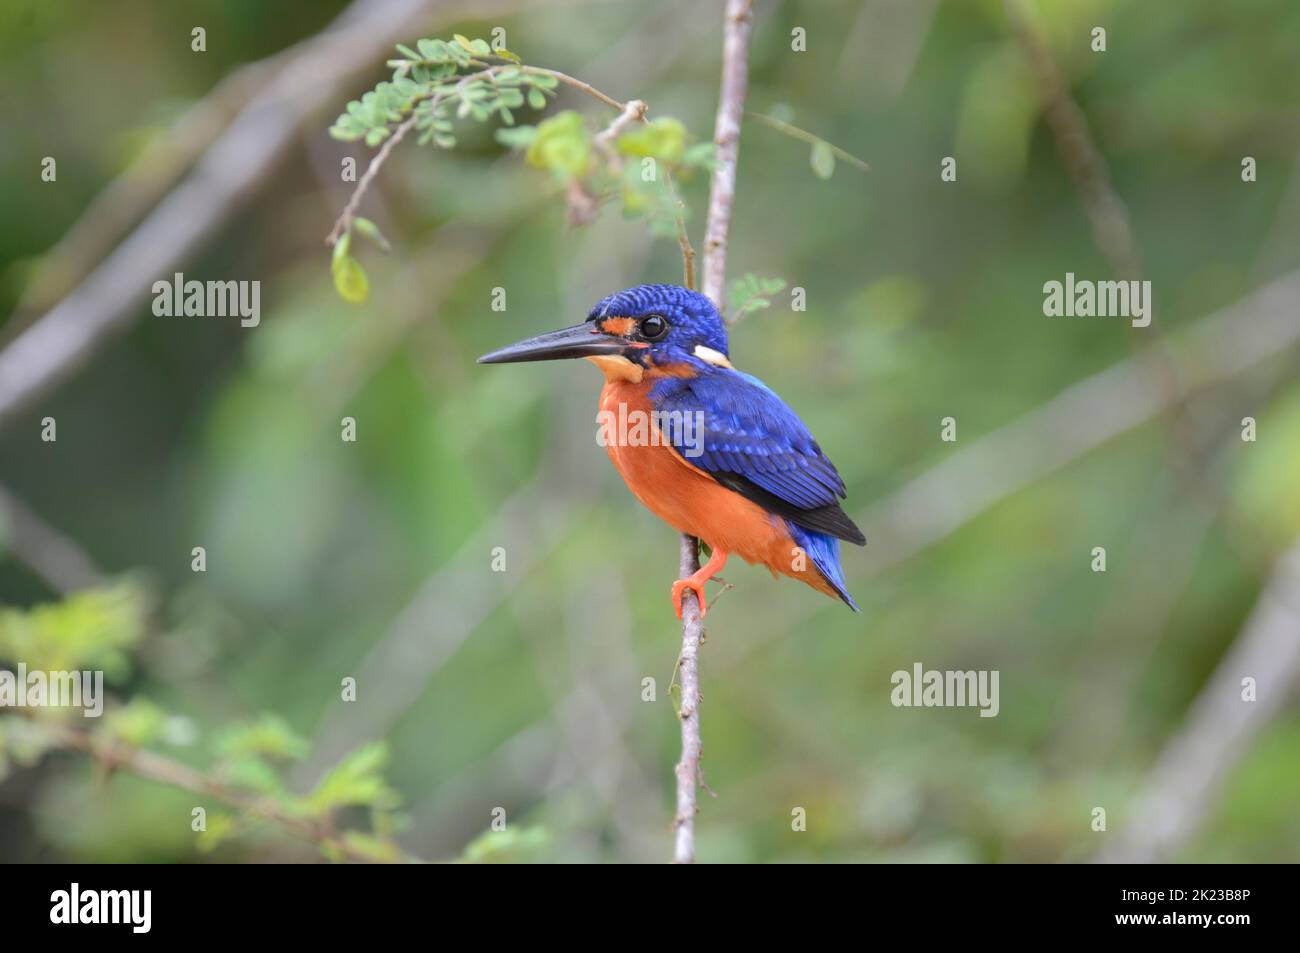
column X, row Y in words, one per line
column 220, row 828
column 350, row 280
column 370, row 231
column 518, row 137
column 507, row 55
column 341, row 248
column 822, row 159
column 253, row 774
column 269, row 735
column 664, row 139
column 508, row 846
column 139, row 723
column 90, row 629
column 542, row 80
column 476, row 47
column 750, row 293
column 357, row 780
column 562, row 146
column 536, row 98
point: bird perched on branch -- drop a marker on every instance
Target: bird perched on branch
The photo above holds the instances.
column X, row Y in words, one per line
column 711, row 450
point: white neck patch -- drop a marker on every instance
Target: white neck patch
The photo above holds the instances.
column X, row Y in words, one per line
column 710, row 356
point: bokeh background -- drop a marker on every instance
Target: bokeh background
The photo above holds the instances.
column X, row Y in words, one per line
column 523, row 689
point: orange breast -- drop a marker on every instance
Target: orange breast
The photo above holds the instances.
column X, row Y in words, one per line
column 687, row 498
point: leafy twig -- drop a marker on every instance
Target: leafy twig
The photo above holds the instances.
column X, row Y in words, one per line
column 817, row 142
column 156, row 767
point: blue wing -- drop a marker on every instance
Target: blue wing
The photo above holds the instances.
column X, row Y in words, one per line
column 742, row 434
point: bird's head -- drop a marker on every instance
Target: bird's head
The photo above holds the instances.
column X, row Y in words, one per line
column 649, row 327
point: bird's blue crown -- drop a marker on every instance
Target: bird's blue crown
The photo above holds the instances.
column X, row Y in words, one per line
column 691, row 316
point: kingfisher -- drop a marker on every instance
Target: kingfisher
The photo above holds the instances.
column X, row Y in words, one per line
column 709, row 449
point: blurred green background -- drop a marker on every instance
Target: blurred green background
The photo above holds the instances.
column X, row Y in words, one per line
column 523, row 689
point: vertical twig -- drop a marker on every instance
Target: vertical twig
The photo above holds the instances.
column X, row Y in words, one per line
column 737, row 28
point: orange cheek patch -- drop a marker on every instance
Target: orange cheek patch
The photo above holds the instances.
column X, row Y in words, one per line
column 620, row 326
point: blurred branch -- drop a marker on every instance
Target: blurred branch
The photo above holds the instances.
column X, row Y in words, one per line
column 139, row 187
column 57, row 559
column 738, row 26
column 155, row 767
column 236, row 164
column 1220, row 725
column 1076, row 421
column 444, row 611
column 1112, row 228
column 803, row 135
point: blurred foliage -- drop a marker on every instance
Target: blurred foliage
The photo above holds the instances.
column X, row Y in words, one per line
column 523, row 689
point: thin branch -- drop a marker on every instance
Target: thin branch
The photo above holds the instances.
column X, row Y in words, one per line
column 576, row 84
column 139, row 187
column 1108, row 217
column 1112, row 230
column 683, row 237
column 794, row 132
column 45, row 354
column 56, row 558
column 634, row 111
column 737, row 28
column 344, row 222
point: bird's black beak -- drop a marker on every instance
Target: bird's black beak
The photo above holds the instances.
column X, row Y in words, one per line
column 583, row 340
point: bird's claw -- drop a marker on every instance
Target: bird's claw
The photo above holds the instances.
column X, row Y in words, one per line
column 680, row 586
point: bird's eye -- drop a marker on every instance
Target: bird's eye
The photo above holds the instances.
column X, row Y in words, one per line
column 653, row 327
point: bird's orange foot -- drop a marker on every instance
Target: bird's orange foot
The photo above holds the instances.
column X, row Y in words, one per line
column 696, row 580
column 680, row 586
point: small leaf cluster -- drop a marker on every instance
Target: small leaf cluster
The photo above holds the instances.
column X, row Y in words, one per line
column 95, row 629
column 752, row 293
column 443, row 80
column 510, row 846
column 92, row 629
column 565, row 146
column 252, row 756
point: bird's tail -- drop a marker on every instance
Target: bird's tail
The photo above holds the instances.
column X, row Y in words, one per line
column 824, row 552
